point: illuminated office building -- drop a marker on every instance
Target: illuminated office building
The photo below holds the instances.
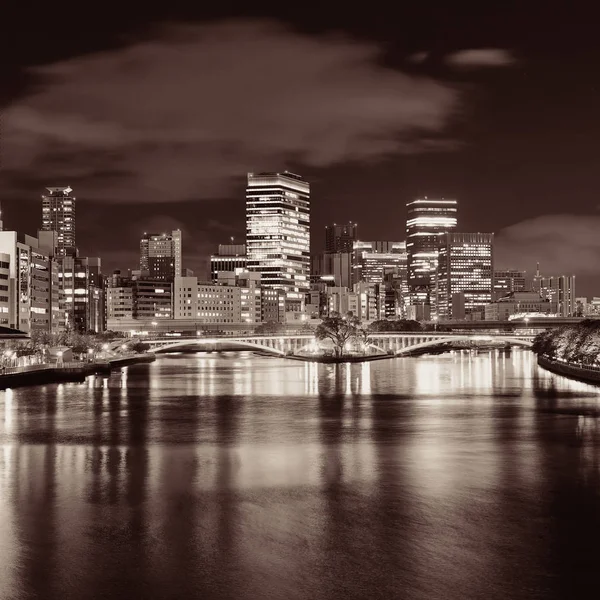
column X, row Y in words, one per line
column 160, row 255
column 464, row 273
column 278, row 233
column 426, row 220
column 58, row 214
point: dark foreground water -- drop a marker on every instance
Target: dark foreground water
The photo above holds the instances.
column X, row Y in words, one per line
column 240, row 477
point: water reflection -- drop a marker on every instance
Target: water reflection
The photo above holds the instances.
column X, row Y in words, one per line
column 231, row 476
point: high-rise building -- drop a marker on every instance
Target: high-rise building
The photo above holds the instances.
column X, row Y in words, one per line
column 58, row 214
column 340, row 238
column 278, row 233
column 160, row 255
column 509, row 280
column 426, row 220
column 229, row 257
column 464, row 273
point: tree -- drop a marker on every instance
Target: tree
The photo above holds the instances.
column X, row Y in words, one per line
column 139, row 347
column 340, row 330
column 385, row 325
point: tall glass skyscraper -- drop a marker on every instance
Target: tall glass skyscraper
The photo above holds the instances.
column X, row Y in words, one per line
column 278, row 233
column 58, row 214
column 426, row 220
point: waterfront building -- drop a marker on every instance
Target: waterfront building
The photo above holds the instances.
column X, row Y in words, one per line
column 29, row 285
column 58, row 215
column 250, row 289
column 229, row 257
column 278, row 233
column 509, row 280
column 464, row 269
column 161, row 255
column 427, row 219
column 339, row 239
column 519, row 305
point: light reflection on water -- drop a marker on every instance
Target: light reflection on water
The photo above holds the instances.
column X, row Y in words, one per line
column 233, row 476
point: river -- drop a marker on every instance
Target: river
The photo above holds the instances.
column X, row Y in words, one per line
column 234, row 476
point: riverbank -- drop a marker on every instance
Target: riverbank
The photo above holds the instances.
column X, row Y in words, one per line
column 581, row 373
column 70, row 372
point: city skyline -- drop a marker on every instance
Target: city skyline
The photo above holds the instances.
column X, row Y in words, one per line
column 519, row 165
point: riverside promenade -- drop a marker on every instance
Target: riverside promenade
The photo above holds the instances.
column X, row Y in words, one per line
column 12, row 377
column 588, row 374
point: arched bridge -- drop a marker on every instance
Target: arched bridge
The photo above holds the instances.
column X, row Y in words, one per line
column 403, row 343
column 280, row 345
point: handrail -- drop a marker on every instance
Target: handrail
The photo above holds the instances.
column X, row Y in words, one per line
column 560, row 361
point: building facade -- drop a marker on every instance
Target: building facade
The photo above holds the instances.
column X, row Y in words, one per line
column 465, row 269
column 278, row 233
column 519, row 305
column 509, row 280
column 337, row 265
column 340, row 239
column 161, row 255
column 426, row 220
column 229, row 257
column 558, row 289
column 29, row 285
column 58, row 215
column 372, row 260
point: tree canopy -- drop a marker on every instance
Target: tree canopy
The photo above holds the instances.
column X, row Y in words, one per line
column 579, row 343
column 340, row 330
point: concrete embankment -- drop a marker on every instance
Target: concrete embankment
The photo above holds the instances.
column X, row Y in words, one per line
column 581, row 373
column 77, row 372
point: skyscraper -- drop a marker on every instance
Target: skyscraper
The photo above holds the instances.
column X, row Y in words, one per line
column 278, row 233
column 160, row 255
column 464, row 273
column 58, row 214
column 340, row 238
column 426, row 220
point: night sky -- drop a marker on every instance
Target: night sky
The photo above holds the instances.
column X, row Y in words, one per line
column 155, row 116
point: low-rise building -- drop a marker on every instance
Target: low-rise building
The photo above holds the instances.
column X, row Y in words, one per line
column 519, row 303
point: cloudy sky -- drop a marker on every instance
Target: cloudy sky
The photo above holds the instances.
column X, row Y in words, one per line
column 155, row 117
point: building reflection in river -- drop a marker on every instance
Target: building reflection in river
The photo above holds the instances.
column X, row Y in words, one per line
column 232, row 476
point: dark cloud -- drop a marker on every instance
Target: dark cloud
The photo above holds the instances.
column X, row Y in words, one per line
column 481, row 57
column 563, row 244
column 183, row 113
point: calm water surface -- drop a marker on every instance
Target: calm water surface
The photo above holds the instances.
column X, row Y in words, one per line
column 240, row 477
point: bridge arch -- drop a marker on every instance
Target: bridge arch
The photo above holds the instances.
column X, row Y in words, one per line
column 515, row 341
column 174, row 346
